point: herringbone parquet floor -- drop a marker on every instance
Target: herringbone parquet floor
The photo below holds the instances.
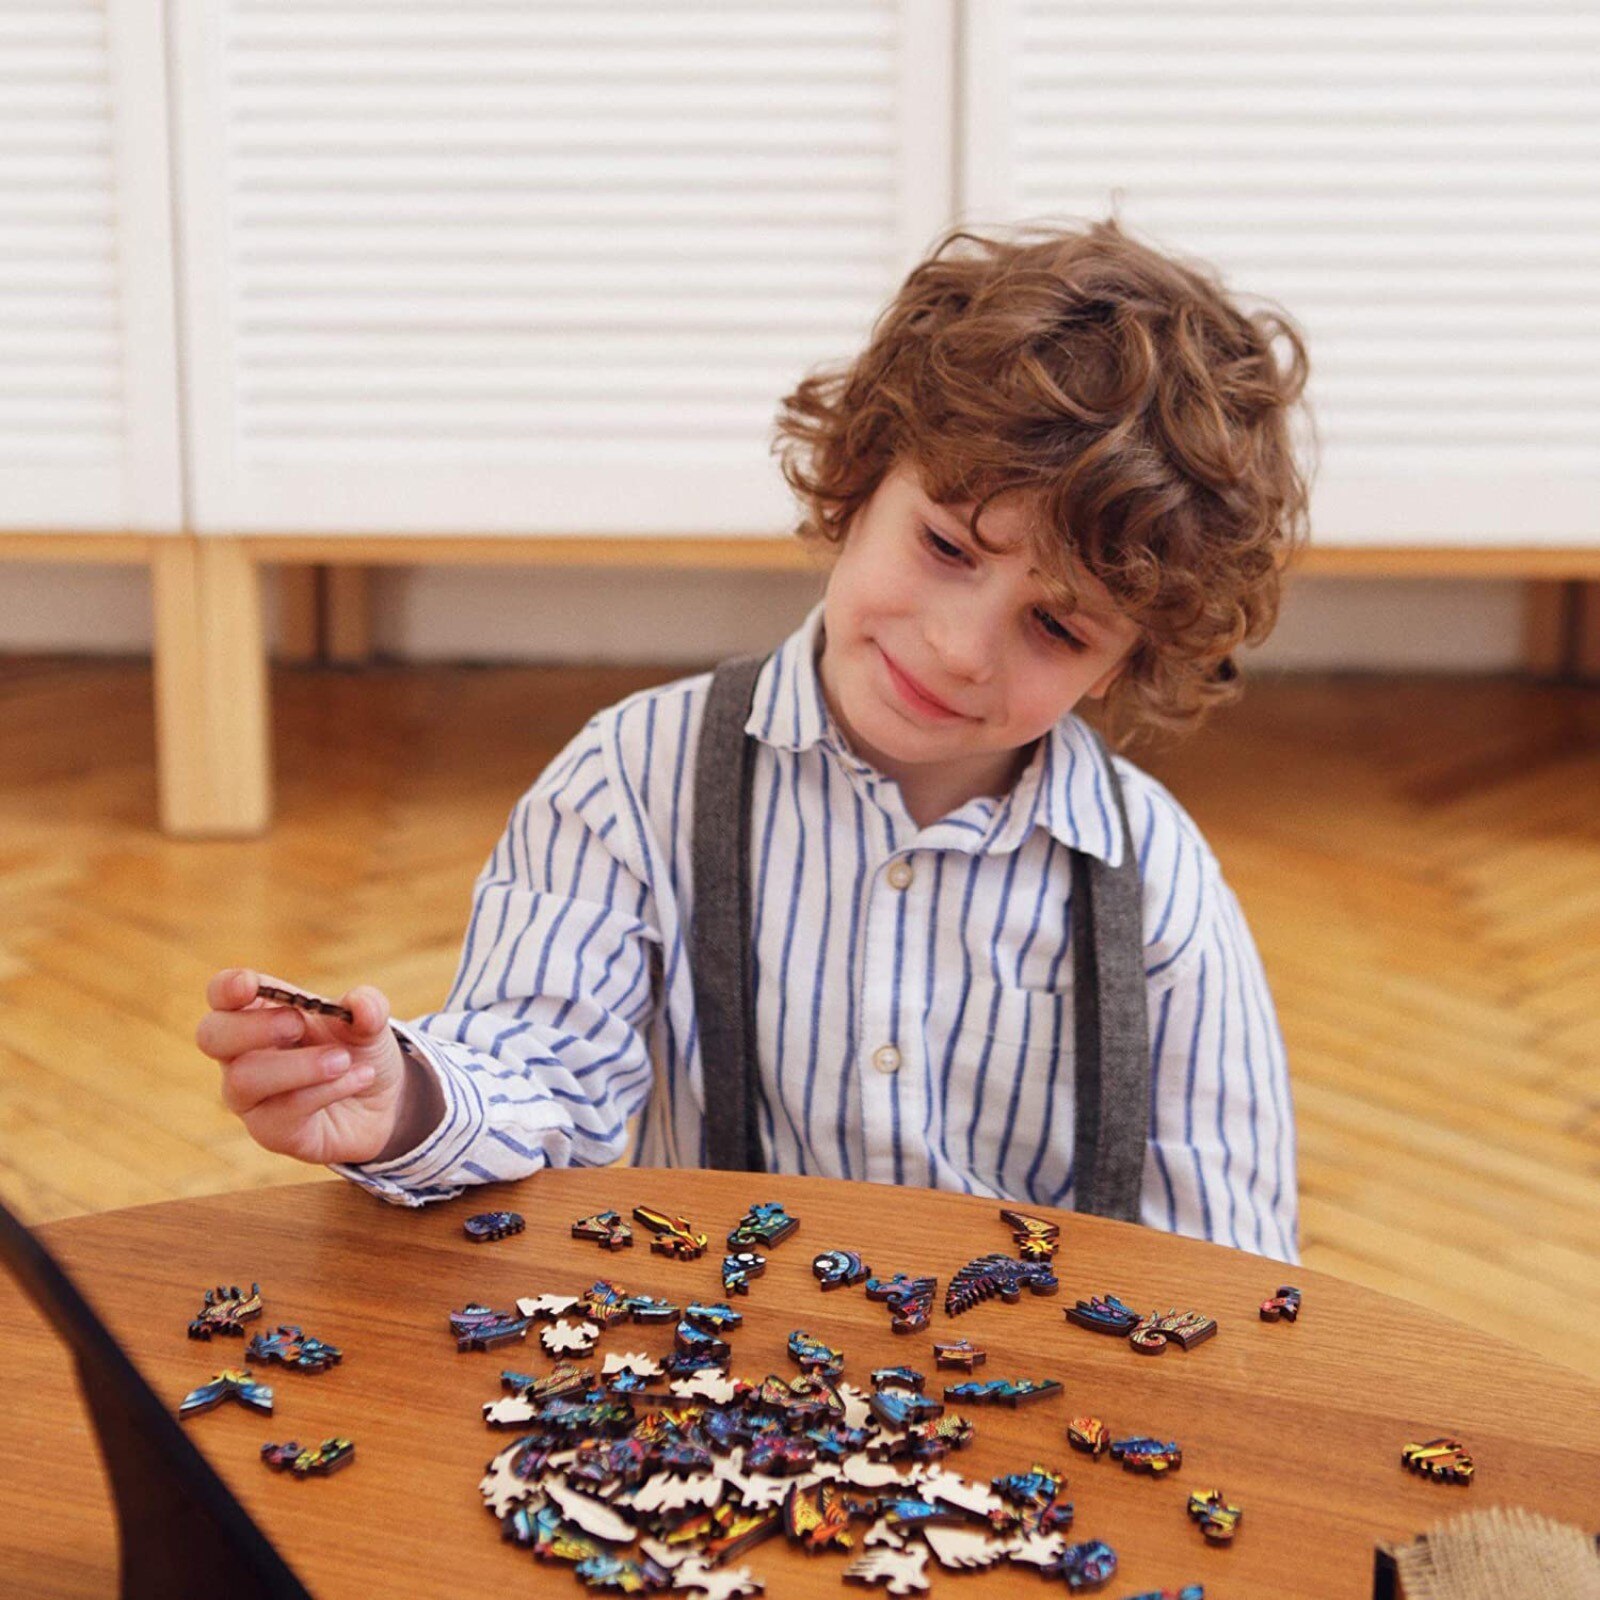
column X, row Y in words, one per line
column 1419, row 860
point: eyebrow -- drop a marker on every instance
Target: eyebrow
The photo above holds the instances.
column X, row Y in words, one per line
column 1053, row 589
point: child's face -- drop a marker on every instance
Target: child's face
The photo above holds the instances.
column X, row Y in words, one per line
column 975, row 631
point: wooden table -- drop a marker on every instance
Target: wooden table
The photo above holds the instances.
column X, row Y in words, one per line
column 1302, row 1425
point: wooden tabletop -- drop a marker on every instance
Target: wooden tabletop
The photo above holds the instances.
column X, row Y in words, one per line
column 1300, row 1424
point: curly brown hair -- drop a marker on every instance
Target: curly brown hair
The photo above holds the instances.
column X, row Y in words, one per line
column 1123, row 398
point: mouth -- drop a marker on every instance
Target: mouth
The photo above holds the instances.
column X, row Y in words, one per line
column 915, row 695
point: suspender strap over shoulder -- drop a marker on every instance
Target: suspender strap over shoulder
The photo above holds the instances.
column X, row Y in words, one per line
column 1111, row 1026
column 719, row 941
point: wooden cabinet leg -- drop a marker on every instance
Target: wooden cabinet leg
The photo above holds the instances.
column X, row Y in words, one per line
column 212, row 729
column 299, row 638
column 1547, row 627
column 1586, row 633
column 348, row 641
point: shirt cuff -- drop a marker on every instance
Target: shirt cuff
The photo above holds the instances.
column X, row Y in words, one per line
column 414, row 1179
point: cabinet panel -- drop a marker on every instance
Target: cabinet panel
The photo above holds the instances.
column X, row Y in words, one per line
column 1419, row 186
column 466, row 267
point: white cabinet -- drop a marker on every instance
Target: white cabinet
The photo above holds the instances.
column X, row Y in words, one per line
column 1417, row 184
column 88, row 393
column 465, row 266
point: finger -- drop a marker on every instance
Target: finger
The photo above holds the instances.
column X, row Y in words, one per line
column 231, row 989
column 284, row 1123
column 264, row 1074
column 223, row 1035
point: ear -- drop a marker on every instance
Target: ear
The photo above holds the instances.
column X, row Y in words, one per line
column 1102, row 685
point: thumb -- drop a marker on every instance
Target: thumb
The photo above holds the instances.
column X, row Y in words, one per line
column 369, row 1009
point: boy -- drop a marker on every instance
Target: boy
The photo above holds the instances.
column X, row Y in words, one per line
column 1060, row 471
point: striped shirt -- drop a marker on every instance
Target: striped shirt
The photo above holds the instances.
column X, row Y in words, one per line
column 913, row 986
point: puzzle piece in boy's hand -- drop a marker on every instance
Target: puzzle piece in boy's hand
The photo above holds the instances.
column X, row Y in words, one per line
column 290, row 1347
column 563, row 1338
column 766, row 1223
column 1285, row 1304
column 476, row 1327
column 899, row 1571
column 304, row 1002
column 674, row 1236
column 1218, row 1520
column 1035, row 1239
column 838, row 1269
column 541, row 1307
column 1154, row 1332
column 1445, row 1460
column 326, row 1458
column 738, row 1269
column 962, row 1354
column 606, row 1228
column 224, row 1311
column 726, row 1583
column 232, row 1383
column 488, row 1226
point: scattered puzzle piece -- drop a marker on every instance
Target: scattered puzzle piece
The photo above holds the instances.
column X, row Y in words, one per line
column 476, row 1327
column 766, row 1223
column 739, row 1269
column 995, row 1274
column 817, row 1517
column 606, row 1228
column 1155, row 1331
column 326, row 1458
column 1284, row 1304
column 726, row 1583
column 491, row 1225
column 1445, row 1460
column 910, row 1300
column 961, row 1354
column 965, row 1549
column 812, row 1355
column 1142, row 1454
column 1218, row 1520
column 1004, row 1391
column 544, row 1306
column 1103, row 1314
column 224, row 1310
column 1086, row 1565
column 289, row 1346
column 1035, row 1239
column 674, row 1236
column 232, row 1383
column 563, row 1338
column 644, row 1308
column 839, row 1269
column 1089, row 1434
column 898, row 1378
column 898, row 1571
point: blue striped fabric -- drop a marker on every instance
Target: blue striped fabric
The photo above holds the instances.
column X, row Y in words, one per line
column 914, row 1027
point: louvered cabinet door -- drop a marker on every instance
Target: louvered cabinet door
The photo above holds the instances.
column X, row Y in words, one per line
column 88, row 370
column 469, row 266
column 1417, row 184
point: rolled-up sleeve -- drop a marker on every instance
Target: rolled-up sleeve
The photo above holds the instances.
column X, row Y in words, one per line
column 541, row 1048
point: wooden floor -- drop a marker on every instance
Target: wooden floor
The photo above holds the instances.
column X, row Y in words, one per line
column 1419, row 860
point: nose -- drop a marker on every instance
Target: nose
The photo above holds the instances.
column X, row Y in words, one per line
column 961, row 638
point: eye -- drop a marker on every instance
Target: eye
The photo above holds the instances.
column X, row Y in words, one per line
column 942, row 547
column 1060, row 634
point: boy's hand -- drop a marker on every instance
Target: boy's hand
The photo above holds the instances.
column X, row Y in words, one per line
column 307, row 1085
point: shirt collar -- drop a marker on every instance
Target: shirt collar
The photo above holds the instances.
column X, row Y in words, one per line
column 1064, row 788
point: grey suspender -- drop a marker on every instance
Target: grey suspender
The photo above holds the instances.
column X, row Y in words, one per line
column 1111, row 1034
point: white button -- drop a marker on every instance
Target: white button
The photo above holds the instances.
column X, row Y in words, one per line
column 886, row 1059
column 900, row 874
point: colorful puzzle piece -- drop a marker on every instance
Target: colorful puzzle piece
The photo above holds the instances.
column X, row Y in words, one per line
column 1004, row 1391
column 606, row 1228
column 1285, row 1305
column 910, row 1300
column 1035, row 1239
column 476, row 1327
column 961, row 1354
column 1218, row 1520
column 1103, row 1314
column 812, row 1355
column 766, row 1223
column 1445, row 1460
column 232, row 1383
column 1155, row 1331
column 290, row 1347
column 839, row 1269
column 674, row 1236
column 1089, row 1434
column 738, row 1269
column 326, row 1458
column 490, row 1225
column 225, row 1310
column 1141, row 1454
column 897, row 1571
column 991, row 1275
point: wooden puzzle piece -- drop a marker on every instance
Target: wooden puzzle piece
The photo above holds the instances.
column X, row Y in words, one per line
column 1142, row 1454
column 897, row 1571
column 593, row 1516
column 507, row 1482
column 817, row 1517
column 603, row 1302
column 910, row 1300
column 304, row 1002
column 898, row 1378
column 724, row 1583
column 1086, row 1565
column 839, row 1269
column 965, row 1549
column 1219, row 1521
column 1157, row 1330
column 232, row 1383
column 542, row 1307
column 606, row 1228
column 322, row 1460
column 717, row 1387
column 766, row 1223
column 487, row 1226
column 1285, row 1304
column 1103, row 1314
column 477, row 1327
column 811, row 1354
column 1090, row 1435
column 290, row 1347
column 562, row 1338
column 646, row 1309
column 224, row 1311
column 961, row 1354
column 674, row 1236
column 1004, row 1391
column 1445, row 1460
column 738, row 1269
column 1035, row 1239
column 994, row 1274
